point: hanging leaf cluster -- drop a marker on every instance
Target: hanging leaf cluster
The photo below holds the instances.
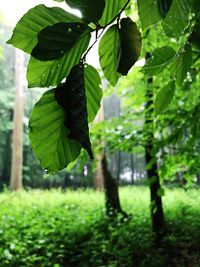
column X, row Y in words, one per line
column 58, row 43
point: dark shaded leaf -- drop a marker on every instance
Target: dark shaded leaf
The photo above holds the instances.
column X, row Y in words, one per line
column 91, row 10
column 72, row 98
column 55, row 40
column 195, row 6
column 195, row 37
column 27, row 29
column 164, row 6
column 130, row 45
column 52, row 72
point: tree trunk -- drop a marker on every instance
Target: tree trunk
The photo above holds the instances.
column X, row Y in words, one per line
column 198, row 179
column 157, row 215
column 132, row 169
column 119, row 156
column 5, row 174
column 113, row 206
column 99, row 180
column 17, row 142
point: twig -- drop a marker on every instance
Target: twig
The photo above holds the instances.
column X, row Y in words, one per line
column 103, row 29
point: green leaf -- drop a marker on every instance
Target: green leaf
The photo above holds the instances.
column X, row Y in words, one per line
column 55, row 40
column 183, row 64
column 90, row 9
column 160, row 192
column 161, row 57
column 51, row 73
column 130, row 45
column 27, row 29
column 195, row 6
column 177, row 19
column 164, row 97
column 48, row 135
column 148, row 12
column 108, row 54
column 164, row 6
column 195, row 37
column 72, row 98
column 111, row 10
column 93, row 91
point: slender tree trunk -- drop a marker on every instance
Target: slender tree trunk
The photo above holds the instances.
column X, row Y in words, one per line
column 99, row 180
column 113, row 206
column 132, row 169
column 98, row 183
column 198, row 179
column 119, row 156
column 5, row 174
column 157, row 214
column 17, row 142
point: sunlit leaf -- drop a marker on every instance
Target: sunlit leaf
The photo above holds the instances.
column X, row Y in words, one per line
column 160, row 58
column 48, row 135
column 93, row 91
column 177, row 19
column 183, row 64
column 111, row 10
column 108, row 54
column 164, row 97
column 148, row 12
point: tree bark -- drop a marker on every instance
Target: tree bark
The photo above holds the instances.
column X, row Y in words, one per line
column 119, row 156
column 113, row 206
column 157, row 215
column 132, row 169
column 17, row 142
column 99, row 180
column 198, row 178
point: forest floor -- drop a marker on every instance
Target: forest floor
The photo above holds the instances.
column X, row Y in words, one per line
column 69, row 229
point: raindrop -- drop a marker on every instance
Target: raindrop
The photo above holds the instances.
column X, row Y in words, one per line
column 69, row 30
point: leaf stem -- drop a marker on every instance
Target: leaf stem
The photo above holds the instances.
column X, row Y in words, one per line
column 103, row 29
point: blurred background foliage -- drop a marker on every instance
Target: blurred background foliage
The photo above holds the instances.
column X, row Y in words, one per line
column 121, row 133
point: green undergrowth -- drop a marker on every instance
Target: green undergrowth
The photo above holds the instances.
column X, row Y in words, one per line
column 69, row 229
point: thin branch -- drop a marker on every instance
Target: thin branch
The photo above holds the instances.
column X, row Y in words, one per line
column 119, row 14
column 97, row 37
column 103, row 29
